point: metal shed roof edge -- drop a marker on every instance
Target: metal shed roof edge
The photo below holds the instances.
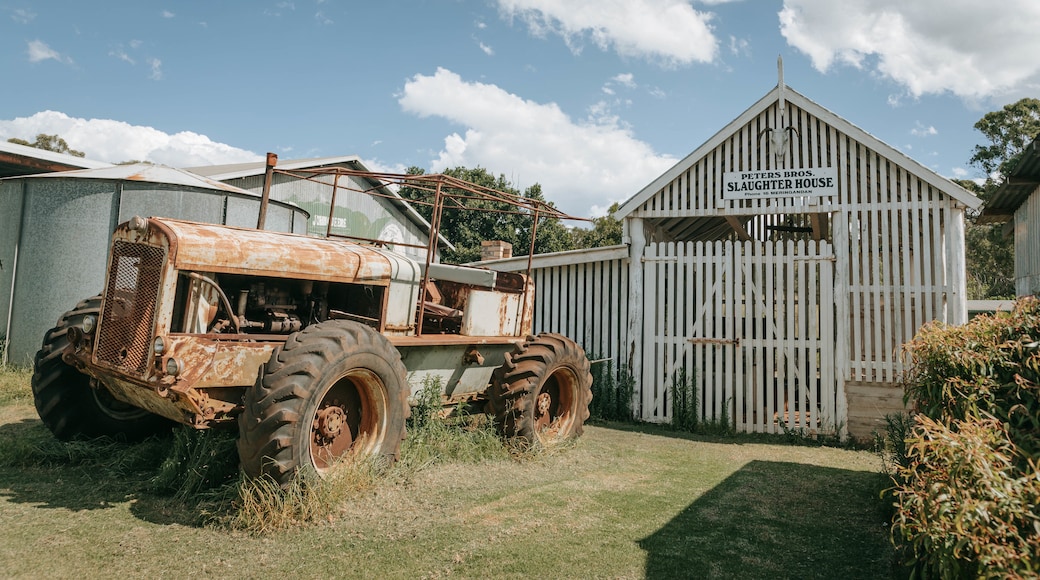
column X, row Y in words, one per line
column 62, row 158
column 1018, row 185
column 931, row 177
column 157, row 174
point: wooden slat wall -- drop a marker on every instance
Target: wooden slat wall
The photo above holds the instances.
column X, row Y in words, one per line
column 747, row 323
column 896, row 256
column 588, row 302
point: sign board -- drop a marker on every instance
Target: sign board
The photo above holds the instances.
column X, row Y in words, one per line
column 814, row 181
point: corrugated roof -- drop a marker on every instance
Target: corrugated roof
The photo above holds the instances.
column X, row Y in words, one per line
column 1018, row 185
column 148, row 173
column 17, row 160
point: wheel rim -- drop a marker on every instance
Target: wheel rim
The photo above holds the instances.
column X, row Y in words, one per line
column 115, row 408
column 351, row 417
column 554, row 405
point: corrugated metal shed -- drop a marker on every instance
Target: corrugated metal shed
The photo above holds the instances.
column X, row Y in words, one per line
column 55, row 230
column 1017, row 187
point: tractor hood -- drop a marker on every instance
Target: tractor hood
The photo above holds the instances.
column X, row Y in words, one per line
column 224, row 249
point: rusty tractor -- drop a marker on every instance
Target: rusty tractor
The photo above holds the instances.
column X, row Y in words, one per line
column 315, row 347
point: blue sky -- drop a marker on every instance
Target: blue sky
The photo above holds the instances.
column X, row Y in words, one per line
column 592, row 99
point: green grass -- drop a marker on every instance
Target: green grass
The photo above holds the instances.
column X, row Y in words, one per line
column 623, row 502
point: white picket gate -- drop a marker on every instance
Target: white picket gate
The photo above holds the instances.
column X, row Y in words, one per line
column 751, row 327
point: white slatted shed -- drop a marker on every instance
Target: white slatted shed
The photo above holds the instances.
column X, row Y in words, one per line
column 782, row 265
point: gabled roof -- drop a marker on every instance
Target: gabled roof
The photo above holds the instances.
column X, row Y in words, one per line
column 240, row 170
column 1018, row 185
column 148, row 173
column 772, row 97
column 16, row 160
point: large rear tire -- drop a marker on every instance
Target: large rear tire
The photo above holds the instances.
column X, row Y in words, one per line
column 542, row 392
column 67, row 403
column 334, row 389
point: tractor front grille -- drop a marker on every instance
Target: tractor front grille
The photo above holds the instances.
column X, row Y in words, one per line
column 131, row 295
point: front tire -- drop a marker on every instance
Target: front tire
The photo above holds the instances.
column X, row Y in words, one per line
column 543, row 391
column 66, row 402
column 333, row 389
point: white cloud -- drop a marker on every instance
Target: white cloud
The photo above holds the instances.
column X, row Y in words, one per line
column 739, row 46
column 487, row 49
column 156, row 65
column 22, row 15
column 116, row 141
column 579, row 164
column 670, row 32
column 626, row 79
column 322, row 19
column 920, row 130
column 965, row 47
column 167, row 14
column 39, row 51
column 121, row 55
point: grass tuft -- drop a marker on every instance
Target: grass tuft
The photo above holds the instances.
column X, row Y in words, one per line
column 262, row 506
column 197, row 462
column 460, row 436
column 14, row 385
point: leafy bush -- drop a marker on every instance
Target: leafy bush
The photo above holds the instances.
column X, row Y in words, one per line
column 967, row 485
column 965, row 509
column 988, row 367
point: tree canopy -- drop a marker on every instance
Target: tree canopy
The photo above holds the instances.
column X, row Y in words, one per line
column 48, row 143
column 1008, row 130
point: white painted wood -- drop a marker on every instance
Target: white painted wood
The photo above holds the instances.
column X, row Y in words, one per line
column 955, row 257
column 895, row 244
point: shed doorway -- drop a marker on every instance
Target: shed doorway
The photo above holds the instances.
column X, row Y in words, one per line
column 747, row 325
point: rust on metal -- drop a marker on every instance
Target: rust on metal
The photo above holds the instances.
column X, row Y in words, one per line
column 215, row 248
column 734, row 341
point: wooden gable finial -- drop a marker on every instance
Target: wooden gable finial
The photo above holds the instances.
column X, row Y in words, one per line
column 779, row 135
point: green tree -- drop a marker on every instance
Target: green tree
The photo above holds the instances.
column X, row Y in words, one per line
column 605, row 231
column 467, row 228
column 989, row 255
column 48, row 143
column 1008, row 130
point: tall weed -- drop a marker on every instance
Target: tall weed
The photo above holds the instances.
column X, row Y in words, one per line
column 612, row 392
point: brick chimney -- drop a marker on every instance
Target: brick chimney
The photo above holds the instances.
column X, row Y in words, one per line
column 495, row 250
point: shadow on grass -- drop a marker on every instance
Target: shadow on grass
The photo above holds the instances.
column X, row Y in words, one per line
column 778, row 520
column 37, row 469
column 736, row 438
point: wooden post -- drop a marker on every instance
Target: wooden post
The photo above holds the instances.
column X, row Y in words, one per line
column 272, row 160
column 956, row 277
column 840, row 219
column 636, row 245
